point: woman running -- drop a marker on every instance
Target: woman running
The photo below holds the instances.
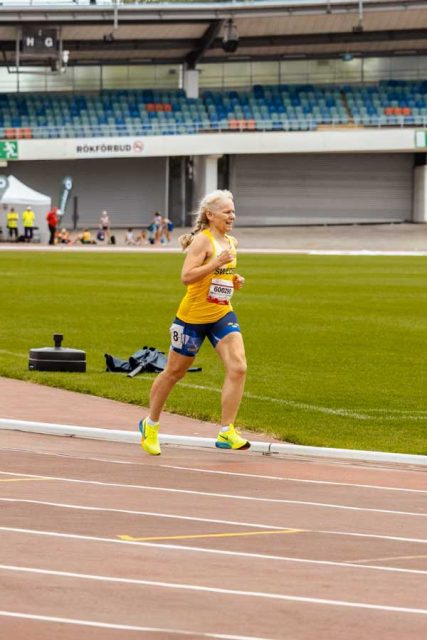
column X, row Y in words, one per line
column 205, row 311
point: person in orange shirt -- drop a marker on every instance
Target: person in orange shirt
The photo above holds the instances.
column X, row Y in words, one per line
column 52, row 221
column 209, row 272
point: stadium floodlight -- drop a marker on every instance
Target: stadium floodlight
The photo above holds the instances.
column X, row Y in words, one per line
column 230, row 40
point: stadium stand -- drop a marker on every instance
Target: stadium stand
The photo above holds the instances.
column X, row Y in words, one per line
column 391, row 102
column 130, row 112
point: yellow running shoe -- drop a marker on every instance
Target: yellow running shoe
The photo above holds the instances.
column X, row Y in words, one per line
column 150, row 438
column 231, row 440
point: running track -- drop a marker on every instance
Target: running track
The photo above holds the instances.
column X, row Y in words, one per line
column 100, row 541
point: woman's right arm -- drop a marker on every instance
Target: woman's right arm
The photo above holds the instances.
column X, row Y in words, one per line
column 195, row 268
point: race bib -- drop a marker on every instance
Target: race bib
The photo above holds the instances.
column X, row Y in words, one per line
column 177, row 335
column 220, row 291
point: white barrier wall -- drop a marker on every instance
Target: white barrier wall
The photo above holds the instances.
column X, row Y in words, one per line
column 331, row 141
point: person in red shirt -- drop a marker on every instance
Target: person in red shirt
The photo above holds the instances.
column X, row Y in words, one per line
column 52, row 221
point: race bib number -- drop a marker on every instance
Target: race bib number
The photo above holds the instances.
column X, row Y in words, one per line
column 177, row 335
column 220, row 291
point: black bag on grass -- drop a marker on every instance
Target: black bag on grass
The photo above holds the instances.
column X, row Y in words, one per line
column 145, row 360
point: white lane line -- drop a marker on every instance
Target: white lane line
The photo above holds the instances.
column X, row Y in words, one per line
column 365, row 535
column 143, row 513
column 13, row 353
column 68, row 456
column 234, row 592
column 230, row 473
column 62, row 505
column 204, row 550
column 211, row 494
column 290, row 403
column 288, row 479
column 401, row 411
column 6, row 247
column 124, row 627
column 402, row 417
column 358, row 415
column 390, row 558
column 246, row 475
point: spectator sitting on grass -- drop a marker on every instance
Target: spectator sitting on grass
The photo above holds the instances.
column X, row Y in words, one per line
column 85, row 237
column 142, row 238
column 63, row 237
column 130, row 239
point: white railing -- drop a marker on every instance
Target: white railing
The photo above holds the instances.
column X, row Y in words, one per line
column 157, row 128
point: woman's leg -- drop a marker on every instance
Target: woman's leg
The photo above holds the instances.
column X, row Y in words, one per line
column 231, row 350
column 176, row 369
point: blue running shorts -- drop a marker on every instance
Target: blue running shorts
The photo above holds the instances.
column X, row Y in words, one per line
column 187, row 338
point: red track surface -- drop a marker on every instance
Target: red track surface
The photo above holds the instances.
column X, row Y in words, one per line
column 255, row 548
column 100, row 541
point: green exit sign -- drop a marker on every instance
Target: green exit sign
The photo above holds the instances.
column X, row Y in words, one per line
column 8, row 149
column 421, row 139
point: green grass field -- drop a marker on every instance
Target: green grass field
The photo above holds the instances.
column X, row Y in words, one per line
column 336, row 346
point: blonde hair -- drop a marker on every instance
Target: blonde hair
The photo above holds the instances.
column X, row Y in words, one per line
column 211, row 202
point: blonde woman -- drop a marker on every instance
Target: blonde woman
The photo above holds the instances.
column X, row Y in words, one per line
column 205, row 311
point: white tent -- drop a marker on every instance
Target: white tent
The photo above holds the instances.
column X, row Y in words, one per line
column 19, row 195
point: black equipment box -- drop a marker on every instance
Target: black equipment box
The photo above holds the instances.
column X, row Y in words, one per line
column 57, row 358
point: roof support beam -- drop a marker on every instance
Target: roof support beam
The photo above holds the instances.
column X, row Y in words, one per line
column 328, row 38
column 199, row 47
column 205, row 43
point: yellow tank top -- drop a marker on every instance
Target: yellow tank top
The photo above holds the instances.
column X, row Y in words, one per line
column 208, row 299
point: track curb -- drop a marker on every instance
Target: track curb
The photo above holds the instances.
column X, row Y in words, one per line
column 133, row 437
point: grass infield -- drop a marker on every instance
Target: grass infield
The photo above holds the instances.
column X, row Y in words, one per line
column 336, row 345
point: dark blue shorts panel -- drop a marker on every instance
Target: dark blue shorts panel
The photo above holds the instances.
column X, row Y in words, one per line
column 187, row 338
column 221, row 328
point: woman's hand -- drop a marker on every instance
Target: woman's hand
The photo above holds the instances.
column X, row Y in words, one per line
column 225, row 257
column 238, row 281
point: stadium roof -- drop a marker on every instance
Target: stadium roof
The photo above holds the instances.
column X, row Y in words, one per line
column 113, row 32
